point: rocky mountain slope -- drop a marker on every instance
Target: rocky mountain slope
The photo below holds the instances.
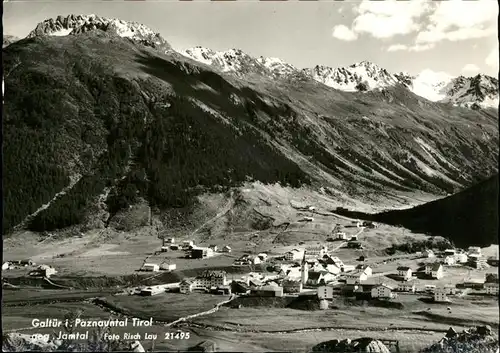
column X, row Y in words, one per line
column 75, row 24
column 110, row 121
column 468, row 218
column 480, row 91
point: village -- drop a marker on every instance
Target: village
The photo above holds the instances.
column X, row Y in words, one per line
column 315, row 271
column 198, row 274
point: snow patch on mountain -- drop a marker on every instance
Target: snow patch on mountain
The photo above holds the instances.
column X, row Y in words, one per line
column 237, row 62
column 430, row 85
column 277, row 66
column 348, row 78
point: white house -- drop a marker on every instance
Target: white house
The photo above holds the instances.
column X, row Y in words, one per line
column 5, row 266
column 325, row 292
column 440, row 295
column 407, row 286
column 291, row 272
column 449, row 289
column 366, row 269
column 449, row 260
column 491, row 288
column 382, row 291
column 435, row 270
column 186, row 286
column 316, row 251
column 294, row 254
column 169, row 241
column 168, row 266
column 321, row 277
column 341, row 236
column 226, row 248
column 356, row 277
column 332, row 260
column 213, row 247
column 353, row 238
column 150, row 267
column 153, row 290
column 333, row 269
column 405, row 272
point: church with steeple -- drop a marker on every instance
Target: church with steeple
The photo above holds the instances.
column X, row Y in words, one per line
column 304, row 270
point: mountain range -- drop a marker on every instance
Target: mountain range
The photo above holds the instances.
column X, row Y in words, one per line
column 102, row 114
column 478, row 91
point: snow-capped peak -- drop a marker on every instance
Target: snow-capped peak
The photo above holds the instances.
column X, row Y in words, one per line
column 237, row 62
column 480, row 90
column 76, row 24
column 348, row 78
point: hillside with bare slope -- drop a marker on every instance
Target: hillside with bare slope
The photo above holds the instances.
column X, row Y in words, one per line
column 127, row 122
column 468, row 218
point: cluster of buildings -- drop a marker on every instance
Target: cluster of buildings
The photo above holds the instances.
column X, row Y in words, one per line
column 206, row 281
column 164, row 266
column 472, row 257
column 18, row 263
column 247, row 259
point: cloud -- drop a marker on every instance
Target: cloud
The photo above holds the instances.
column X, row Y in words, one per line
column 385, row 19
column 422, row 47
column 470, row 68
column 397, row 47
column 344, row 33
column 413, row 48
column 457, row 20
column 492, row 58
column 435, row 21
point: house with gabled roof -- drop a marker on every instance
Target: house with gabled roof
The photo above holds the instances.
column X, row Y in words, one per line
column 186, row 286
column 356, row 277
column 365, row 268
column 435, row 270
column 320, row 277
column 407, row 286
column 294, row 254
column 382, row 291
column 405, row 272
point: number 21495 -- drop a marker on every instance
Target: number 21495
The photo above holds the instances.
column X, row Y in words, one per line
column 177, row 335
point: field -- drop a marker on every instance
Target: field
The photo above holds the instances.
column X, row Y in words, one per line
column 165, row 307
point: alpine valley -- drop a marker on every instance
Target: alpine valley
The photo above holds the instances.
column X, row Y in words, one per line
column 102, row 114
column 204, row 201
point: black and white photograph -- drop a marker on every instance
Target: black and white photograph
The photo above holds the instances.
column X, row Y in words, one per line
column 250, row 176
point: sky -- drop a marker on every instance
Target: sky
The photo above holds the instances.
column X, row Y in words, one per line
column 457, row 37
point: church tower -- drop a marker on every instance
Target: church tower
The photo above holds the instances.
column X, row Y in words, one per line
column 304, row 270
